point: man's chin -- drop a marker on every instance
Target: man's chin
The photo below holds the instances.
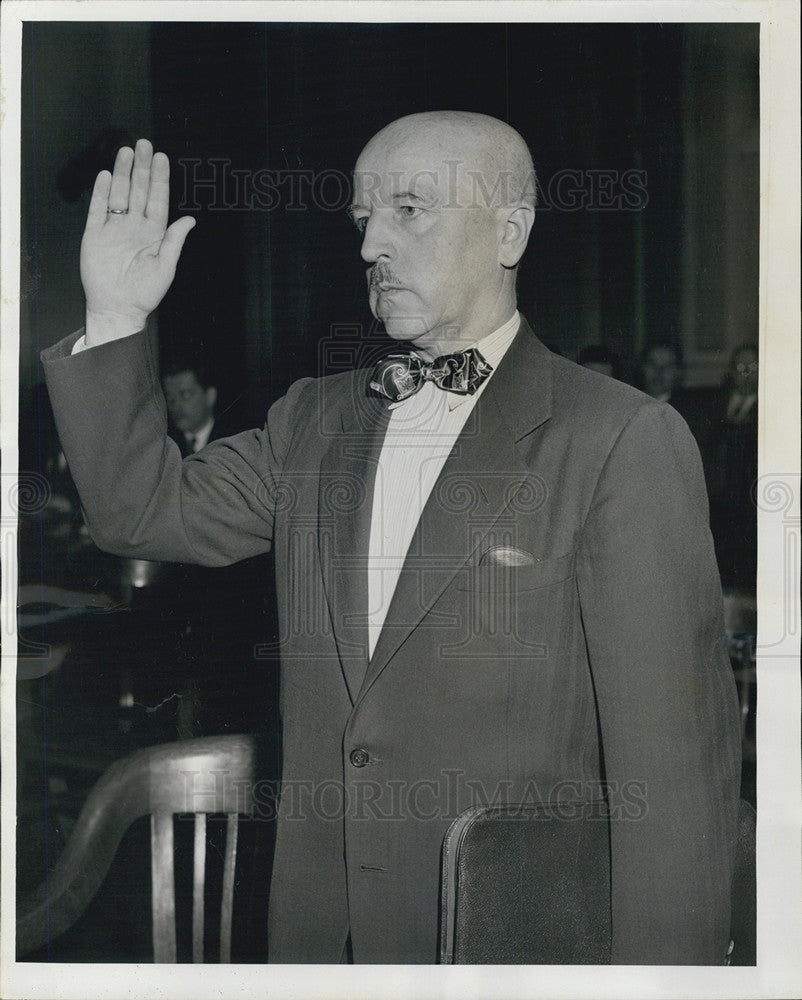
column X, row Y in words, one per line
column 404, row 328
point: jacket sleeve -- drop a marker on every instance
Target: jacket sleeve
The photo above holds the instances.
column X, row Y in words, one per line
column 140, row 500
column 666, row 699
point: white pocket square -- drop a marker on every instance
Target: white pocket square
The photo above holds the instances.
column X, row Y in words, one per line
column 506, row 555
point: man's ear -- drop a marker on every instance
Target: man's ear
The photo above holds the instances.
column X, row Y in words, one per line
column 517, row 225
column 211, row 397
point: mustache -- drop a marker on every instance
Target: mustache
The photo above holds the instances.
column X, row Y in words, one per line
column 380, row 274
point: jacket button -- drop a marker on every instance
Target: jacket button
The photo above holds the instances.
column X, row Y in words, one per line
column 359, row 757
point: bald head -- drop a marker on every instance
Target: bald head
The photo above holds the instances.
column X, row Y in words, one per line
column 487, row 162
column 445, row 202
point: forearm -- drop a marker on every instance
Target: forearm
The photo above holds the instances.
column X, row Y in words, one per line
column 140, row 500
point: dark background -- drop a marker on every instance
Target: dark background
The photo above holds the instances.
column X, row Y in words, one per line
column 261, row 291
column 258, row 291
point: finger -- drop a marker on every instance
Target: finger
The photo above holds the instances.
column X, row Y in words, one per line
column 121, row 179
column 173, row 241
column 140, row 177
column 99, row 201
column 159, row 194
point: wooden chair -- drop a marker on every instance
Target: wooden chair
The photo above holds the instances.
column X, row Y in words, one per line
column 203, row 776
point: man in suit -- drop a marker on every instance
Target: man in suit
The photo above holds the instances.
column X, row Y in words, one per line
column 191, row 398
column 194, row 419
column 661, row 370
column 599, row 358
column 729, row 455
column 661, row 377
column 495, row 576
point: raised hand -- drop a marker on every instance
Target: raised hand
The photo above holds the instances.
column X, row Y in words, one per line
column 128, row 254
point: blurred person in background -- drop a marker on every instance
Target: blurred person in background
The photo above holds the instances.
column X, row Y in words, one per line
column 601, row 359
column 661, row 370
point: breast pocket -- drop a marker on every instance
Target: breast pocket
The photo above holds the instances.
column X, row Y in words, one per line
column 514, row 611
column 492, row 575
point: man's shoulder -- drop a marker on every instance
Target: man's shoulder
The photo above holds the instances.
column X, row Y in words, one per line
column 315, row 410
column 575, row 397
column 599, row 414
column 328, row 390
column 589, row 398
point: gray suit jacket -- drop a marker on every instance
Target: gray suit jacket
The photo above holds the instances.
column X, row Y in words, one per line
column 597, row 658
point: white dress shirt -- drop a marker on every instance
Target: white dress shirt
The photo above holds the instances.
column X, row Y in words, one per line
column 420, row 436
column 739, row 406
column 200, row 438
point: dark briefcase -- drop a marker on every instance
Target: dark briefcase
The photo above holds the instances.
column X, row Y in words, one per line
column 527, row 885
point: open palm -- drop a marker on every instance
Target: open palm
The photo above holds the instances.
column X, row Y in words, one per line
column 128, row 254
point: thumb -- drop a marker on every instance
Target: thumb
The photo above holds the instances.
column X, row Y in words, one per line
column 173, row 242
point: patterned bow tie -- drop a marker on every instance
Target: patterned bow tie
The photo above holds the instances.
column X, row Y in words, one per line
column 401, row 375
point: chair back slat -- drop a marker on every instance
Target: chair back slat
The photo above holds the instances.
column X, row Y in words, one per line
column 227, row 904
column 198, row 887
column 210, row 775
column 163, row 887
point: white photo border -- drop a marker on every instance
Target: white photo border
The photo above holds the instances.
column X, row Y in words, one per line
column 779, row 969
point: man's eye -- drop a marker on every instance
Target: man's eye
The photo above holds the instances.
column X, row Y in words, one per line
column 361, row 222
column 409, row 211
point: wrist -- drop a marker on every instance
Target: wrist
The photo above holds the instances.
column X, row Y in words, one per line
column 102, row 327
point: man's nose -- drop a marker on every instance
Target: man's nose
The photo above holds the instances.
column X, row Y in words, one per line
column 376, row 239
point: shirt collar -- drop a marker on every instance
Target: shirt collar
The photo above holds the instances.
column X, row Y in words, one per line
column 201, row 437
column 493, row 347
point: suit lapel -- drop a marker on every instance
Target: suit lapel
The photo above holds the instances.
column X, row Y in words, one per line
column 479, row 480
column 345, row 499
